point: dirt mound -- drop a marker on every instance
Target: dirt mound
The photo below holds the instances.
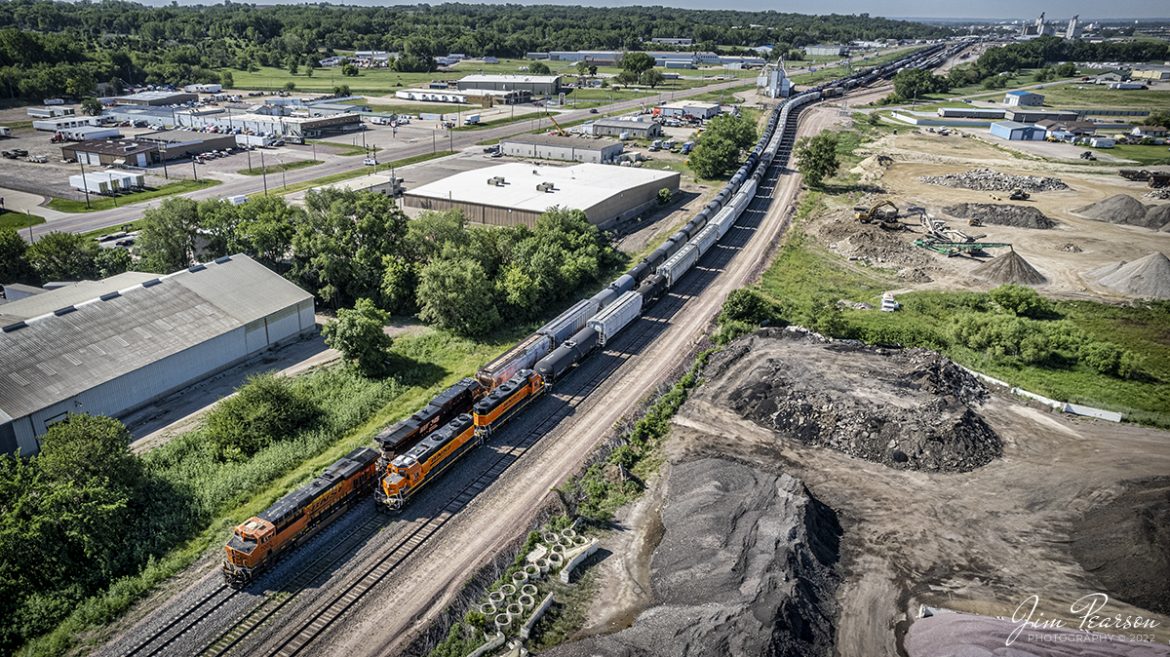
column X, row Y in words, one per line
column 989, row 180
column 1125, row 209
column 1147, row 278
column 1019, row 216
column 1010, row 268
column 1126, row 544
column 873, row 246
column 744, row 567
column 905, row 408
column 949, row 633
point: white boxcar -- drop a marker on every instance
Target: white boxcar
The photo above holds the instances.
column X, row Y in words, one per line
column 521, row 357
column 616, row 316
column 569, row 322
column 679, row 264
column 706, row 239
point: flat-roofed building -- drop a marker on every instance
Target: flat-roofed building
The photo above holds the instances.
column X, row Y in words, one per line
column 565, row 149
column 826, row 50
column 1023, row 99
column 180, row 144
column 157, row 98
column 1150, row 74
column 537, row 85
column 1034, row 115
column 112, row 152
column 693, row 108
column 109, row 347
column 289, row 127
column 619, row 127
column 59, row 123
column 517, row 194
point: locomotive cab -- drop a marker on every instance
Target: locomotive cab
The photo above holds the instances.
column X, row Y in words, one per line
column 246, row 550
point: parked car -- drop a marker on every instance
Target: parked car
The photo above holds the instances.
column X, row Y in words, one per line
column 370, row 161
column 593, row 110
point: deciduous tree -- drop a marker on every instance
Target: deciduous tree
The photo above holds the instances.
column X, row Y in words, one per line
column 817, row 158
column 359, row 335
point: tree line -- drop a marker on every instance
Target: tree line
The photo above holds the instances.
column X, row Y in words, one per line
column 51, row 48
column 1044, row 52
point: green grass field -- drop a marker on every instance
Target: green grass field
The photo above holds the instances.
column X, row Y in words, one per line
column 107, row 202
column 18, row 220
column 278, row 167
column 1064, row 96
column 357, row 173
column 1145, row 155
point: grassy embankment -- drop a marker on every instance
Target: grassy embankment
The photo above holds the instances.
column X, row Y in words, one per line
column 806, row 280
column 18, row 220
column 278, row 167
column 228, row 492
column 383, row 167
column 108, row 202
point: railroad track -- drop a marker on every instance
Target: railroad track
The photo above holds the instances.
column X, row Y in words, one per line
column 181, row 623
column 325, row 617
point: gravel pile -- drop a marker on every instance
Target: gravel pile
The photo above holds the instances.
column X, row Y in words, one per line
column 905, row 408
column 1162, row 194
column 961, row 634
column 744, row 567
column 1125, row 209
column 989, row 180
column 1145, row 278
column 1010, row 268
column 1018, row 216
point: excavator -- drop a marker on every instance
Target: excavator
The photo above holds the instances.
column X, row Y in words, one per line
column 883, row 213
column 560, row 130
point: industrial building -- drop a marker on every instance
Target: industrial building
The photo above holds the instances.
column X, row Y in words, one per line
column 486, row 97
column 113, row 152
column 290, row 127
column 1013, row 131
column 143, row 115
column 203, row 88
column 1158, row 74
column 673, row 41
column 50, row 112
column 59, row 123
column 89, row 133
column 693, row 108
column 1034, row 115
column 109, row 347
column 108, row 182
column 1023, row 99
column 619, row 127
column 517, row 194
column 565, row 149
column 537, row 85
column 970, row 113
column 826, row 50
column 157, row 98
column 181, row 144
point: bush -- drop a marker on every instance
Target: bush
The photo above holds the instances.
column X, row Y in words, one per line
column 265, row 410
column 1101, row 357
column 1021, row 301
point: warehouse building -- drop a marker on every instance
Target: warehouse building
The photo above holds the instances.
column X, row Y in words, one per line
column 181, row 144
column 565, row 149
column 108, row 182
column 1159, row 74
column 1013, row 131
column 116, row 152
column 1023, row 99
column 109, row 347
column 693, row 108
column 295, row 128
column 517, row 194
column 537, row 85
column 618, row 128
column 673, row 41
column 486, row 97
column 989, row 114
column 1034, row 115
column 157, row 98
column 826, row 50
column 143, row 115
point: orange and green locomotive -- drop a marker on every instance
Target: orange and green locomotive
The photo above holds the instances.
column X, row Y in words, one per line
column 257, row 542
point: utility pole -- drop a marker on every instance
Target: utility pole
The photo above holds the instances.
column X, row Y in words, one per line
column 84, row 182
column 264, row 173
column 193, row 170
column 434, row 142
column 163, row 152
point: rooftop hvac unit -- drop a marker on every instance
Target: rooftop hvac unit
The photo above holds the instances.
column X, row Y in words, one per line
column 498, row 181
column 546, row 187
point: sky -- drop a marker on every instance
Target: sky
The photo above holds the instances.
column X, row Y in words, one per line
column 1006, row 9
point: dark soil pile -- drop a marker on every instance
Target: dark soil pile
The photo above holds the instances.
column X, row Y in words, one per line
column 745, row 567
column 1125, row 544
column 906, row 408
column 998, row 214
column 1010, row 268
column 990, row 180
column 961, row 635
column 1125, row 209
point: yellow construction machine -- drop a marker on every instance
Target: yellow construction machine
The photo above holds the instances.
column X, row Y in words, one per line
column 883, row 213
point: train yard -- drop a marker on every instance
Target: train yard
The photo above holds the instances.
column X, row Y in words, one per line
column 345, row 571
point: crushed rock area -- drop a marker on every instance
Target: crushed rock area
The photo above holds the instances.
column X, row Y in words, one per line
column 1002, row 214
column 990, row 180
column 1125, row 209
column 744, row 567
column 905, row 408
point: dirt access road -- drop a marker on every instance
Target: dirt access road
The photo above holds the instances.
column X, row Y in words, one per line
column 426, row 584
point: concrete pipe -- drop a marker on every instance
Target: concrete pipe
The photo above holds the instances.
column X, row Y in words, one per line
column 503, row 621
column 555, row 561
column 519, row 578
column 551, row 538
column 568, row 533
column 528, row 589
column 487, row 609
column 496, row 598
column 543, row 565
column 557, row 549
column 580, row 541
column 508, row 590
column 527, row 602
column 533, row 572
column 514, row 610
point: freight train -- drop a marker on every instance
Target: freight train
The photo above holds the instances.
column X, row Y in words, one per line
column 415, row 451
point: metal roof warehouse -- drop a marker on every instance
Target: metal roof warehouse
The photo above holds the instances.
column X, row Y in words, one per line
column 109, row 347
column 511, row 194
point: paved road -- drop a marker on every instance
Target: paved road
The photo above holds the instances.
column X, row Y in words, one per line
column 85, row 222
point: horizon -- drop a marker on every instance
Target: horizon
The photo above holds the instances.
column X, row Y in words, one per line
column 907, row 10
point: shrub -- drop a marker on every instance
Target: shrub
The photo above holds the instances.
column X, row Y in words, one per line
column 1021, row 301
column 265, row 410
